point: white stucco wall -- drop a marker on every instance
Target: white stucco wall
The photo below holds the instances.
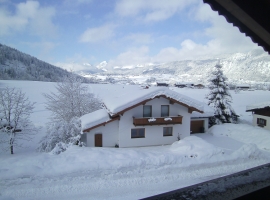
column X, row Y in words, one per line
column 153, row 134
column 109, row 135
column 255, row 117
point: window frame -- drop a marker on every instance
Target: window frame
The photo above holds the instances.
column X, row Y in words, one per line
column 144, row 106
column 137, row 133
column 161, row 113
column 165, row 131
column 261, row 122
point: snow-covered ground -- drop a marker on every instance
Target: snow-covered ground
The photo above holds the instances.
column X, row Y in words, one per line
column 131, row 173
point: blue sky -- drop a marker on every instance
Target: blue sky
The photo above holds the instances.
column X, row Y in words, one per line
column 68, row 33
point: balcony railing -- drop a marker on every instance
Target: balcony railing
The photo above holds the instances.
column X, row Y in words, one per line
column 150, row 121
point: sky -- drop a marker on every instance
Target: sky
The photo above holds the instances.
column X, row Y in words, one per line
column 68, row 33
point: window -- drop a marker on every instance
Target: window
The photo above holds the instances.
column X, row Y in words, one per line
column 138, row 133
column 165, row 111
column 147, row 111
column 167, row 131
column 261, row 122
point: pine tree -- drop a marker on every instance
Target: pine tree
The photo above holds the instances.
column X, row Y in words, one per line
column 220, row 98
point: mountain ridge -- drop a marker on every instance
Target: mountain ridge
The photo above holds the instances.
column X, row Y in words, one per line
column 16, row 65
column 251, row 66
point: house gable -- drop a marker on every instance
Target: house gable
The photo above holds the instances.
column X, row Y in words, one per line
column 171, row 100
column 261, row 114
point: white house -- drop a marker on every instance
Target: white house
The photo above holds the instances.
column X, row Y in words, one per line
column 141, row 117
column 261, row 114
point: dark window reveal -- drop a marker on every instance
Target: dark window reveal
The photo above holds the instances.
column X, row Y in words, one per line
column 147, row 111
column 261, row 122
column 138, row 133
column 167, row 131
column 165, row 111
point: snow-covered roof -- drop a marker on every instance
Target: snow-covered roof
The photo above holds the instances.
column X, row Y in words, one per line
column 258, row 105
column 243, row 85
column 119, row 98
column 126, row 97
column 208, row 112
column 94, row 118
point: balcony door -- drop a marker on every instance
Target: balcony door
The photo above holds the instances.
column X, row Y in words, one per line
column 147, row 111
column 165, row 111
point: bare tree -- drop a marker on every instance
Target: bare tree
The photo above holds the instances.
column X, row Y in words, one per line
column 71, row 100
column 15, row 110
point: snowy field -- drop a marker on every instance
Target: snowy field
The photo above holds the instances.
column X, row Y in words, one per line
column 131, row 173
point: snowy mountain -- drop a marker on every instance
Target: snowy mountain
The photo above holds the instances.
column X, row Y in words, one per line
column 102, row 66
column 251, row 66
column 15, row 65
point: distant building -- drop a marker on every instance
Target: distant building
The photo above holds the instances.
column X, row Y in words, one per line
column 162, row 84
column 261, row 114
column 182, row 85
column 243, row 87
column 199, row 86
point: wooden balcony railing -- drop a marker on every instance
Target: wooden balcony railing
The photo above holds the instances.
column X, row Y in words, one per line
column 150, row 121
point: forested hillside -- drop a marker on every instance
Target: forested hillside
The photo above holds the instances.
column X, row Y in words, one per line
column 15, row 65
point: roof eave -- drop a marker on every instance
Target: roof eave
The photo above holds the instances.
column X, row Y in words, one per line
column 245, row 23
column 102, row 124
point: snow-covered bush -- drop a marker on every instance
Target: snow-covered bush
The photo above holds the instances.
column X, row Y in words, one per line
column 60, row 136
column 220, row 98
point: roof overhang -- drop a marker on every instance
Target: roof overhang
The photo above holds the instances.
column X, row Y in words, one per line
column 102, row 124
column 255, row 109
column 251, row 17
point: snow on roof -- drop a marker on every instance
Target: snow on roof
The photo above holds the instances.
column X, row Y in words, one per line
column 208, row 112
column 258, row 105
column 119, row 98
column 94, row 118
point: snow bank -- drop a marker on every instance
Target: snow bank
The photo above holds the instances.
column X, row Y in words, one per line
column 244, row 133
column 190, row 151
column 195, row 147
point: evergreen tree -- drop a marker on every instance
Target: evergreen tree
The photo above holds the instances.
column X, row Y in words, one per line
column 220, row 98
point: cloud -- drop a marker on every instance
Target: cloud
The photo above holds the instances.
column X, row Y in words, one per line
column 44, row 47
column 223, row 35
column 151, row 10
column 139, row 38
column 76, row 2
column 72, row 66
column 217, row 38
column 29, row 16
column 98, row 34
column 131, row 57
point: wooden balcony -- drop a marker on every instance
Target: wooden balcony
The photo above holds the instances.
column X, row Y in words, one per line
column 150, row 121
